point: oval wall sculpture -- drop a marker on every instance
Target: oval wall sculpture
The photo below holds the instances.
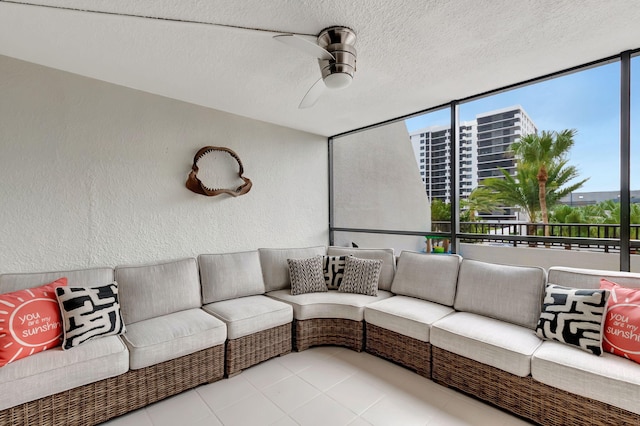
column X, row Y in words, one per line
column 218, row 176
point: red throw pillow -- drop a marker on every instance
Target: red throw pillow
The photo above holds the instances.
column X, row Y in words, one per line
column 622, row 326
column 30, row 322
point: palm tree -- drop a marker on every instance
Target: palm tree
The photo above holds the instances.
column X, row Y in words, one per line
column 522, row 189
column 519, row 190
column 541, row 151
column 481, row 200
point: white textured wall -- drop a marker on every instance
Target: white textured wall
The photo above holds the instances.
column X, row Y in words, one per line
column 93, row 174
column 377, row 185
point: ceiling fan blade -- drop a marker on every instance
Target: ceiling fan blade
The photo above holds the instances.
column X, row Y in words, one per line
column 313, row 95
column 306, row 46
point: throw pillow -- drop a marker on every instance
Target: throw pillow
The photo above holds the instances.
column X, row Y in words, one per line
column 29, row 322
column 306, row 275
column 333, row 269
column 361, row 276
column 573, row 316
column 622, row 324
column 89, row 313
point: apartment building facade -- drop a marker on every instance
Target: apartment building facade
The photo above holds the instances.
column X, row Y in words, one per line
column 483, row 150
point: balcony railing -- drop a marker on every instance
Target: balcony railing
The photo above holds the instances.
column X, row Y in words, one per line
column 584, row 236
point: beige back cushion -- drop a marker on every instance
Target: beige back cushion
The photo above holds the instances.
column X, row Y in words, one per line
column 75, row 278
column 431, row 277
column 152, row 290
column 386, row 255
column 508, row 293
column 275, row 269
column 230, row 275
column 590, row 278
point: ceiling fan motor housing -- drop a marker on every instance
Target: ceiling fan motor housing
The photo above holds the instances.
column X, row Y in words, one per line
column 339, row 42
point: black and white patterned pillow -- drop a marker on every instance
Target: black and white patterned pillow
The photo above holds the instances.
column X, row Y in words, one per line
column 89, row 313
column 333, row 269
column 573, row 316
column 361, row 276
column 306, row 275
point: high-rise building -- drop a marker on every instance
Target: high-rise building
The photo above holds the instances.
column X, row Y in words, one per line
column 483, row 150
column 497, row 130
column 432, row 148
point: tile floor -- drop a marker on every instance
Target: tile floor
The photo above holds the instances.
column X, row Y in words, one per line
column 320, row 386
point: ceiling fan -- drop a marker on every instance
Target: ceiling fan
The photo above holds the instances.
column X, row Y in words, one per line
column 336, row 57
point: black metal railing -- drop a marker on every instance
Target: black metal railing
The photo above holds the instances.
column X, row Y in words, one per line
column 597, row 237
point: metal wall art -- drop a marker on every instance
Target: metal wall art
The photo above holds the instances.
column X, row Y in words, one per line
column 218, row 176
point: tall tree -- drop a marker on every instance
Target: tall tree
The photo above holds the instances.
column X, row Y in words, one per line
column 522, row 189
column 541, row 151
column 481, row 200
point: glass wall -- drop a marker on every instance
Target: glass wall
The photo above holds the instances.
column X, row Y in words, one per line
column 634, row 216
column 479, row 178
column 572, row 124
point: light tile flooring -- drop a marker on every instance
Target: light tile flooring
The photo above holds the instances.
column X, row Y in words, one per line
column 320, row 386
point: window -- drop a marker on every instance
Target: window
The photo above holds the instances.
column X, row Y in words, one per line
column 477, row 158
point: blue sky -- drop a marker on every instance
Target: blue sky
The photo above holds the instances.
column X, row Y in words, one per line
column 588, row 101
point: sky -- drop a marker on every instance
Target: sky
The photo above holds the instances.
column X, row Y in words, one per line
column 588, row 101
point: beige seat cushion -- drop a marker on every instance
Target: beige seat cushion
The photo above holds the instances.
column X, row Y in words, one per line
column 406, row 315
column 171, row 336
column 330, row 304
column 52, row 371
column 499, row 344
column 248, row 315
column 607, row 378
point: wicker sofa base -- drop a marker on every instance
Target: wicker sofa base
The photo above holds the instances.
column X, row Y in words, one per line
column 100, row 401
column 329, row 331
column 524, row 396
column 505, row 390
column 561, row 408
column 406, row 351
column 249, row 350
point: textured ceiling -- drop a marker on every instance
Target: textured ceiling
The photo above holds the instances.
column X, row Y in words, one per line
column 412, row 54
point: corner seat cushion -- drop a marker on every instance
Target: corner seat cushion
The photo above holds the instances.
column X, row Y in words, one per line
column 607, row 378
column 387, row 256
column 171, row 336
column 330, row 304
column 406, row 315
column 248, row 315
column 499, row 344
column 54, row 370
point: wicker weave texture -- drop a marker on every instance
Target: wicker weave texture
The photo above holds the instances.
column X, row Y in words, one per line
column 564, row 408
column 249, row 350
column 100, row 401
column 524, row 396
column 406, row 351
column 329, row 331
column 505, row 390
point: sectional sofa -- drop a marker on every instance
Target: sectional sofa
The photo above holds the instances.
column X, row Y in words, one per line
column 465, row 324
